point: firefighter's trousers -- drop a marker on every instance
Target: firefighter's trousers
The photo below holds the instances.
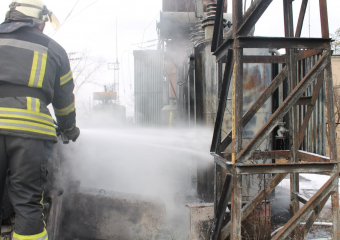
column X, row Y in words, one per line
column 25, row 161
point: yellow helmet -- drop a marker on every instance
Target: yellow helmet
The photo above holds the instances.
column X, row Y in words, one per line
column 35, row 9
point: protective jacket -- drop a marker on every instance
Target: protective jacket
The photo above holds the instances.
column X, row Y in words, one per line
column 36, row 71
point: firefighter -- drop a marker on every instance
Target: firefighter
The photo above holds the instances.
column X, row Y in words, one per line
column 34, row 72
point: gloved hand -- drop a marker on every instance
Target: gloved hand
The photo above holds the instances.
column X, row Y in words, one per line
column 73, row 133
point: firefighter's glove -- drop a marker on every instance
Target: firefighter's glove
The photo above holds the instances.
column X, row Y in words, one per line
column 73, row 133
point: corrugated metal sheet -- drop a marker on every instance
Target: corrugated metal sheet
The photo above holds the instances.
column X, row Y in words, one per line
column 316, row 131
column 148, row 87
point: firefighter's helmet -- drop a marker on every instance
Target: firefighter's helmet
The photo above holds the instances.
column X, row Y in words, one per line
column 35, row 9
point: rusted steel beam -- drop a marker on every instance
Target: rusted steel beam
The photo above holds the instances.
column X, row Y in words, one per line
column 330, row 113
column 281, row 42
column 307, row 53
column 222, row 206
column 222, row 51
column 293, row 114
column 264, row 59
column 215, row 145
column 218, row 27
column 257, row 105
column 312, row 217
column 248, row 169
column 223, row 163
column 260, row 6
column 301, row 198
column 281, row 154
column 287, row 104
column 271, row 154
column 301, row 18
column 314, row 201
column 305, row 101
column 258, row 155
column 237, row 101
column 310, row 109
column 288, row 18
column 324, row 19
column 336, row 213
column 236, row 208
column 311, row 157
column 252, row 15
column 249, row 208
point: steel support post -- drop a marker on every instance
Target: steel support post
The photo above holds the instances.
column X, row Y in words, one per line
column 237, row 99
column 335, row 210
column 330, row 113
column 324, row 19
column 237, row 127
column 329, row 84
column 236, row 207
column 293, row 116
column 234, row 162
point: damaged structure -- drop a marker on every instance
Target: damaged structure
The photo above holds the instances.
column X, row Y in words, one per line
column 271, row 115
column 302, row 99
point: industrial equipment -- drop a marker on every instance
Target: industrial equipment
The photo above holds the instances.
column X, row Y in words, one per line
column 268, row 110
column 271, row 115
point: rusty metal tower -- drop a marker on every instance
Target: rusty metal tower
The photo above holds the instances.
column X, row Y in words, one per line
column 298, row 106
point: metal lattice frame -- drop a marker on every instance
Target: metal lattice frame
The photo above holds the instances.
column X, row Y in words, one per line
column 230, row 51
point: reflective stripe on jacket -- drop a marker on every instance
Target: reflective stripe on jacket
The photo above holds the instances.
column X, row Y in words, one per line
column 30, row 58
column 40, row 236
column 27, row 117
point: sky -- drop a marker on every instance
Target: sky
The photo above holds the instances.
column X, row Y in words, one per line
column 90, row 25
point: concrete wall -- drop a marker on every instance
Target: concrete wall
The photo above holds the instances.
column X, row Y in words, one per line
column 336, row 84
column 336, row 69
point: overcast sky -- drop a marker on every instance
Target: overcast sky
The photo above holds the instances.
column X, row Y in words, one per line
column 91, row 26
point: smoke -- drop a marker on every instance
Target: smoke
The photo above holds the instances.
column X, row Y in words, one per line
column 158, row 163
